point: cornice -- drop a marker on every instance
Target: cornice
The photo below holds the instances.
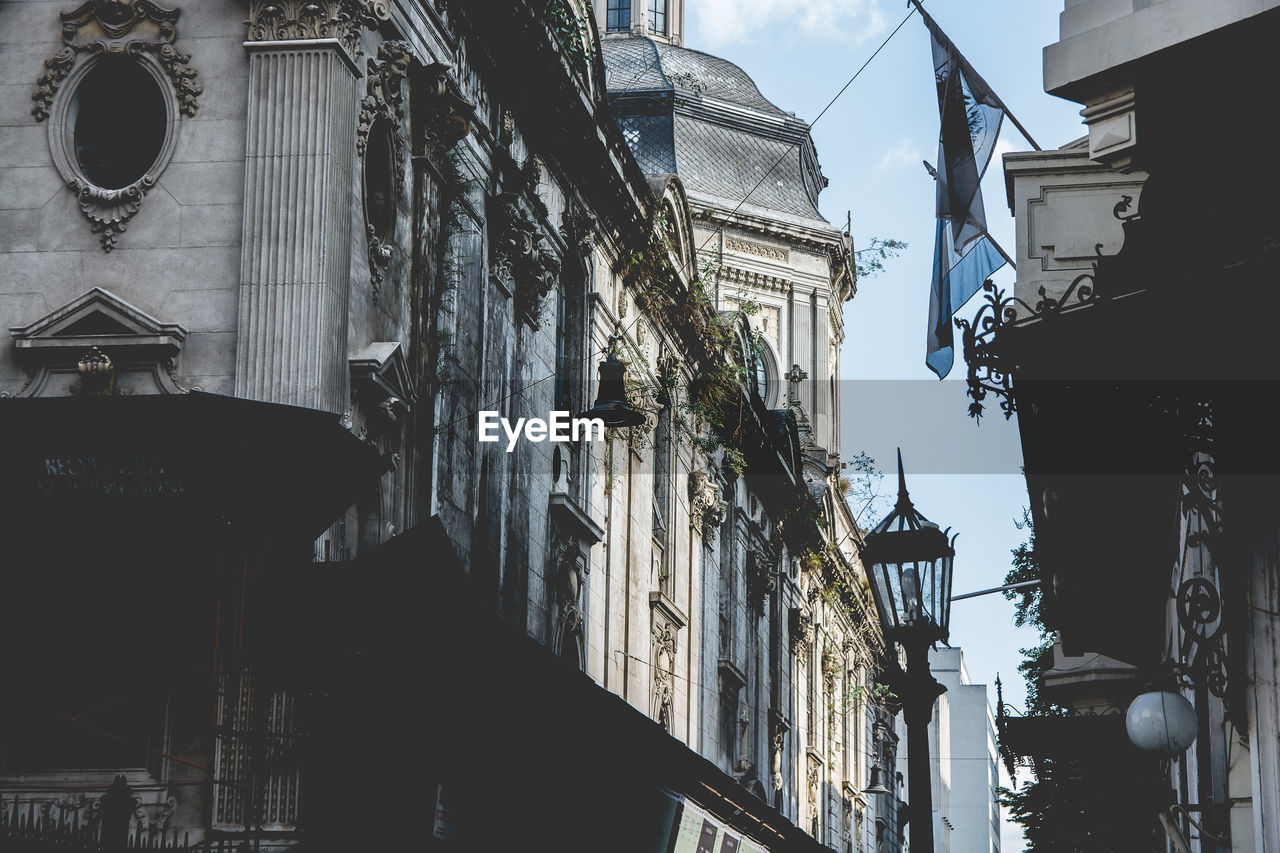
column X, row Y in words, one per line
column 737, row 275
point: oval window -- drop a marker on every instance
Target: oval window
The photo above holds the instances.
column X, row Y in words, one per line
column 120, row 121
column 380, row 181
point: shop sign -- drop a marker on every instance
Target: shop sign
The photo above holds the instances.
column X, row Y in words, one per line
column 107, row 476
column 699, row 832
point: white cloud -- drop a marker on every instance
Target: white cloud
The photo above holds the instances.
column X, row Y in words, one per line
column 721, row 22
column 904, row 153
column 1003, row 147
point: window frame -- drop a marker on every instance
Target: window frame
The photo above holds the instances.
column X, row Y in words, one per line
column 617, row 16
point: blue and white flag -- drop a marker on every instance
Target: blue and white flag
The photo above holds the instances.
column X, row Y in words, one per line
column 956, row 277
column 964, row 257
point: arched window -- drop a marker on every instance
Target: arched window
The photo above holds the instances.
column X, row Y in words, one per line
column 764, row 374
column 618, row 16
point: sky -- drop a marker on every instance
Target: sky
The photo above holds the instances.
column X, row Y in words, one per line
column 871, row 143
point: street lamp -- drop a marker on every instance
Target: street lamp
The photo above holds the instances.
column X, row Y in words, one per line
column 611, row 404
column 909, row 560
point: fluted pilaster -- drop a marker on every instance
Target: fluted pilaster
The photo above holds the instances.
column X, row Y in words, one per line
column 295, row 267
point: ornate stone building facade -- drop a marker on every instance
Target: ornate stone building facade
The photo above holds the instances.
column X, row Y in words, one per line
column 261, row 279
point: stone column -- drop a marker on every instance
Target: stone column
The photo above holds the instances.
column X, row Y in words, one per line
column 300, row 157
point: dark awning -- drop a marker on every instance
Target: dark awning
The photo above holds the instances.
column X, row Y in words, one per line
column 535, row 753
column 197, row 464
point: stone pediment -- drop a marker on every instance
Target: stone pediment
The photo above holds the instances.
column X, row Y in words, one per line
column 383, row 370
column 99, row 344
column 98, row 317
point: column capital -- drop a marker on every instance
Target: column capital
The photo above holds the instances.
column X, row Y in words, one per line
column 310, row 20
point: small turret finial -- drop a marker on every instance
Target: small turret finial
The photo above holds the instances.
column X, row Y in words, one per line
column 904, row 500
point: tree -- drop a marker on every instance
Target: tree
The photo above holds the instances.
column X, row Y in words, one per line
column 1076, row 802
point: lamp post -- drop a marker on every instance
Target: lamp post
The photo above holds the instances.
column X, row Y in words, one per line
column 909, row 560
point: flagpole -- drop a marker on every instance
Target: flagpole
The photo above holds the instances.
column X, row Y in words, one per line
column 1012, row 118
column 1008, row 260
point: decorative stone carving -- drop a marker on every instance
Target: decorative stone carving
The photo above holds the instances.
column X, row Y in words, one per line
column 812, row 777
column 384, row 97
column 139, row 29
column 89, row 345
column 518, row 262
column 506, row 129
column 778, row 728
column 109, row 211
column 761, row 579
column 664, row 658
column 101, row 26
column 445, row 116
column 383, row 391
column 794, row 377
column 744, row 766
column 293, row 20
column 384, row 101
column 800, row 630
column 706, row 507
column 97, row 376
column 579, row 228
column 573, row 532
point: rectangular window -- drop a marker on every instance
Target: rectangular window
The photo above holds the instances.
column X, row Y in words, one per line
column 811, row 685
column 662, row 503
column 618, row 16
column 564, row 361
column 658, row 17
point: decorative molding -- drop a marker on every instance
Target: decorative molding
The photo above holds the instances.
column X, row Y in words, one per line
column 773, row 253
column 800, row 631
column 145, row 32
column 104, row 26
column 761, row 281
column 84, row 347
column 383, row 389
column 384, row 97
column 384, row 101
column 664, row 660
column 761, row 578
column 778, row 728
column 523, row 266
column 578, row 228
column 445, row 116
column 706, row 506
column 109, row 211
column 301, row 20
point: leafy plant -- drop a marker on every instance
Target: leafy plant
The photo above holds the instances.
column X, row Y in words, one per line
column 1071, row 805
column 572, row 31
column 865, row 488
column 870, row 261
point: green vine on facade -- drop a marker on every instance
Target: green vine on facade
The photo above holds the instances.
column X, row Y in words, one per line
column 714, row 395
column 572, row 31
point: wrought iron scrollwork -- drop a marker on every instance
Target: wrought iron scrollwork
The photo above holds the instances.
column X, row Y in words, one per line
column 990, row 368
column 1204, row 657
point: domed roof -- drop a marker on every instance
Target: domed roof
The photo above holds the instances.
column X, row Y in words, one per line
column 637, row 63
column 687, row 113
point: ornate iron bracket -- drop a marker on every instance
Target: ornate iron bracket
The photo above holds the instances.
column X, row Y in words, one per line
column 1204, row 657
column 990, row 368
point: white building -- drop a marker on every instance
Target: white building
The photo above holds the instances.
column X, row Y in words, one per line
column 963, row 757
